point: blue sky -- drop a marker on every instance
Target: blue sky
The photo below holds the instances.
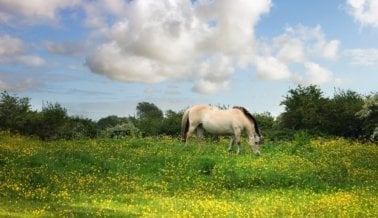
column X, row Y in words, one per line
column 102, row 57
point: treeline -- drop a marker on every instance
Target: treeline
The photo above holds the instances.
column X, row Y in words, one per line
column 346, row 114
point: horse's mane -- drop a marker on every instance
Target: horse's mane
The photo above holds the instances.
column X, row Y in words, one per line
column 250, row 117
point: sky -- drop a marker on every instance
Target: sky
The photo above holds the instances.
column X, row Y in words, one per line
column 102, row 57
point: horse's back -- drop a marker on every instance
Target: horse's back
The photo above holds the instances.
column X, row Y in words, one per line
column 199, row 111
column 217, row 121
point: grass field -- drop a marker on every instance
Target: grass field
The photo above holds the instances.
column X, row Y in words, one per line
column 155, row 177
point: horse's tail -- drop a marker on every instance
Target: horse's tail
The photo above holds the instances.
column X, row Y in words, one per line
column 185, row 124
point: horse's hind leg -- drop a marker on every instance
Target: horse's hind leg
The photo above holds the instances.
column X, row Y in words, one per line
column 189, row 133
column 200, row 132
column 231, row 143
column 237, row 133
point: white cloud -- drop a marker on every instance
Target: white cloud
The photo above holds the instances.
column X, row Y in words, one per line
column 363, row 56
column 302, row 43
column 271, row 68
column 216, row 68
column 10, row 46
column 291, row 50
column 212, row 75
column 111, row 61
column 14, row 51
column 98, row 11
column 210, row 87
column 153, row 41
column 330, row 50
column 364, row 11
column 316, row 74
column 299, row 46
column 16, row 84
column 33, row 11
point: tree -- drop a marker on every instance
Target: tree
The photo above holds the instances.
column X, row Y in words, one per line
column 266, row 124
column 172, row 123
column 369, row 116
column 341, row 114
column 14, row 112
column 111, row 121
column 78, row 128
column 146, row 110
column 304, row 107
column 264, row 120
column 53, row 120
column 149, row 118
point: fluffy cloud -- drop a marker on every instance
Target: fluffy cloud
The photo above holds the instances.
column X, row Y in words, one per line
column 271, row 68
column 203, row 41
column 33, row 11
column 148, row 41
column 14, row 51
column 210, row 87
column 302, row 43
column 315, row 74
column 299, row 45
column 10, row 46
column 363, row 56
column 364, row 11
column 109, row 59
column 10, row 82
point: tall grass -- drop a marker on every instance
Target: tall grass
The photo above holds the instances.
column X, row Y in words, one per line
column 162, row 177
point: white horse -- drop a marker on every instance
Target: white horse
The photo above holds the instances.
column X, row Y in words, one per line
column 222, row 122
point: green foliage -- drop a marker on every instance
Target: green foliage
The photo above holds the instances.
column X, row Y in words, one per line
column 265, row 120
column 110, row 121
column 347, row 114
column 78, row 128
column 53, row 119
column 150, row 118
column 303, row 108
column 14, row 113
column 51, row 123
column 341, row 116
column 369, row 116
column 307, row 109
column 205, row 166
column 146, row 110
column 122, row 130
column 172, row 123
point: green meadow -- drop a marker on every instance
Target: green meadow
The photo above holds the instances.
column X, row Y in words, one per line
column 160, row 177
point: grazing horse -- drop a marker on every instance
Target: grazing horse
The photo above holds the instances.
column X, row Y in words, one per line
column 222, row 122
